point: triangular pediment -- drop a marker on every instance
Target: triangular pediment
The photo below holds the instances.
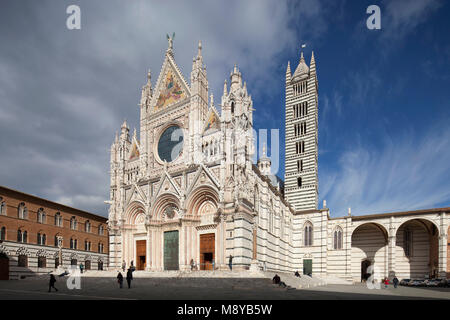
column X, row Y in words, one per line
column 136, row 194
column 203, row 177
column 171, row 87
column 167, row 185
column 212, row 121
column 135, row 150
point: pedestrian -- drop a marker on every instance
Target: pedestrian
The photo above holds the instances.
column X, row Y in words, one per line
column 120, row 280
column 297, row 274
column 276, row 279
column 386, row 282
column 192, row 264
column 129, row 277
column 52, row 283
column 230, row 262
column 124, row 265
column 395, row 281
column 81, row 267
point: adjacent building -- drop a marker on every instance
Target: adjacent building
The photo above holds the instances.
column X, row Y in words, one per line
column 38, row 235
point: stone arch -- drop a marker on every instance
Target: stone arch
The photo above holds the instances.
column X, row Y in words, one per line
column 162, row 203
column 417, row 248
column 369, row 246
column 134, row 213
column 201, row 196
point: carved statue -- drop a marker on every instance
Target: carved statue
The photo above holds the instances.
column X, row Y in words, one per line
column 170, row 40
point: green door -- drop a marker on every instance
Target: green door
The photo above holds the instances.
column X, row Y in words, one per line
column 307, row 266
column 171, row 250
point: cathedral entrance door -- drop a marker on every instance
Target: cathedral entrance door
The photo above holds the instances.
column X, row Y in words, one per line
column 4, row 267
column 207, row 251
column 307, row 266
column 171, row 250
column 141, row 248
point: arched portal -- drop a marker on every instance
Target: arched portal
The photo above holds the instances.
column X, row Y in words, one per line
column 369, row 246
column 135, row 251
column 417, row 255
column 202, row 205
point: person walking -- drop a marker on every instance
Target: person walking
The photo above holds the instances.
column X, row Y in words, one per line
column 230, row 262
column 120, row 280
column 395, row 281
column 129, row 277
column 81, row 267
column 386, row 282
column 52, row 283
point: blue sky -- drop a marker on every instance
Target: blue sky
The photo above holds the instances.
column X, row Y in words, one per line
column 384, row 138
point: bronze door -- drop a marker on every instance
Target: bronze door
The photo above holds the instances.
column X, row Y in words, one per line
column 171, row 248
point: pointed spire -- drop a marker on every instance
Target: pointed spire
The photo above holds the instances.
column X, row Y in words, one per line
column 245, row 87
column 124, row 124
column 149, row 77
column 117, row 137
column 288, row 70
column 301, row 56
column 225, row 92
column 313, row 61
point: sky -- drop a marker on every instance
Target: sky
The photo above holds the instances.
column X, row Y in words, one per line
column 384, row 95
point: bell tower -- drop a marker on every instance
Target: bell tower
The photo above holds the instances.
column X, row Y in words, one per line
column 301, row 162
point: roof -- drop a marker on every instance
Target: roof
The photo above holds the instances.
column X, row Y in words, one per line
column 302, row 70
column 401, row 213
column 62, row 206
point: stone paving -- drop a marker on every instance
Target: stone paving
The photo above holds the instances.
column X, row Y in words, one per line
column 202, row 286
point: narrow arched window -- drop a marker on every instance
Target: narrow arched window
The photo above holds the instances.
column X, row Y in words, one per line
column 87, row 226
column 41, row 215
column 2, row 207
column 100, row 230
column 337, row 239
column 73, row 223
column 58, row 219
column 308, row 235
column 23, row 211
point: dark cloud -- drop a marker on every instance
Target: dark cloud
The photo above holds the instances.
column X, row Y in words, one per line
column 64, row 93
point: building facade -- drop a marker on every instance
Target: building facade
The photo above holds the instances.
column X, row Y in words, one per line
column 187, row 192
column 38, row 235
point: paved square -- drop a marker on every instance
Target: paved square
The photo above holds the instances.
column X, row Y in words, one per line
column 164, row 288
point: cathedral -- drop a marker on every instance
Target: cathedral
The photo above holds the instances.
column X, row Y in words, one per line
column 186, row 194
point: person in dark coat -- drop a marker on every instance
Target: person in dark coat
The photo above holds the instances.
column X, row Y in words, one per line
column 52, row 283
column 276, row 279
column 297, row 274
column 395, row 281
column 129, row 277
column 120, row 280
column 230, row 262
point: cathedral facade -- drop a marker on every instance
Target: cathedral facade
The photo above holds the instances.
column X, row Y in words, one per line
column 185, row 193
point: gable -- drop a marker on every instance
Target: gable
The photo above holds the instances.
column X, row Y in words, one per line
column 170, row 88
column 134, row 151
column 212, row 121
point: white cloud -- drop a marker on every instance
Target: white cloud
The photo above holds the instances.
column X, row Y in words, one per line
column 410, row 171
